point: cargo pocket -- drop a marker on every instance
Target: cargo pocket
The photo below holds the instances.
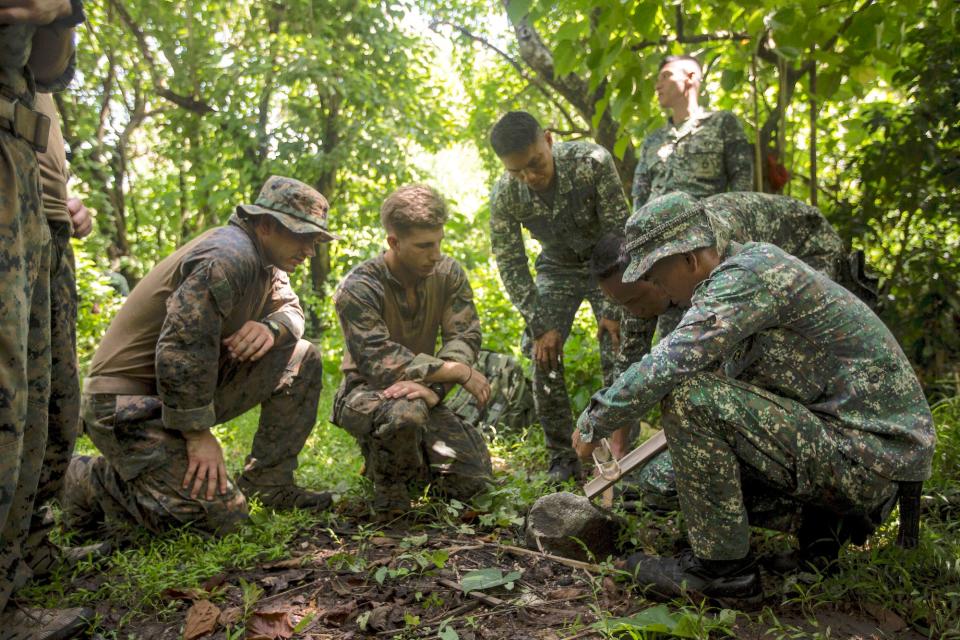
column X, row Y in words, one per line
column 354, row 412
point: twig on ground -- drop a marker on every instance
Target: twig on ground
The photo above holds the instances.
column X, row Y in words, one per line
column 576, row 564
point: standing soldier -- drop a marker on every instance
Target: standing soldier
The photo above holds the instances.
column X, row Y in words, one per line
column 699, row 152
column 777, row 385
column 36, row 52
column 211, row 332
column 568, row 195
column 67, row 218
column 392, row 309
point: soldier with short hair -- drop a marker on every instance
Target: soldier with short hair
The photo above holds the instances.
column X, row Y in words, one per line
column 567, row 194
column 699, row 152
column 392, row 308
column 212, row 331
column 778, row 386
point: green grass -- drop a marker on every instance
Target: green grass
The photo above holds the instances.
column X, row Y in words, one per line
column 921, row 586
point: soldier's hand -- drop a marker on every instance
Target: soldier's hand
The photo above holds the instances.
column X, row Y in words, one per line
column 79, row 216
column 478, row 386
column 607, row 325
column 410, row 390
column 37, row 12
column 204, row 464
column 547, row 350
column 619, row 443
column 251, row 341
column 583, row 449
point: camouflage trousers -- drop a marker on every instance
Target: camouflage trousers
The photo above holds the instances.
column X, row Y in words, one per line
column 562, row 289
column 24, row 347
column 739, row 450
column 138, row 478
column 64, row 408
column 404, row 442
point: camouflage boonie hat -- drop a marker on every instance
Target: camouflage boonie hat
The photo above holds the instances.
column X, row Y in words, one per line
column 297, row 206
column 665, row 226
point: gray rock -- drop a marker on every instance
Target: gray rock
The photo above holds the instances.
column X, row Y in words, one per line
column 560, row 520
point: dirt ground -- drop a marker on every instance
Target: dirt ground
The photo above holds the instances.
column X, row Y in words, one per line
column 346, row 584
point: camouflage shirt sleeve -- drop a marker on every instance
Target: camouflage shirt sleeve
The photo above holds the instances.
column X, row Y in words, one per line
column 641, row 179
column 188, row 349
column 736, row 304
column 380, row 360
column 284, row 305
column 460, row 328
column 636, row 335
column 506, row 240
column 737, row 155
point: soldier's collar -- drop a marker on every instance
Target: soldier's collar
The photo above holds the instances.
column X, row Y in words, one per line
column 238, row 221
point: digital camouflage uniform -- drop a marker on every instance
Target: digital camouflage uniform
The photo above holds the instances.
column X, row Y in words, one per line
column 746, row 216
column 588, row 202
column 705, row 155
column 24, row 308
column 387, row 340
column 64, row 407
column 161, row 370
column 777, row 384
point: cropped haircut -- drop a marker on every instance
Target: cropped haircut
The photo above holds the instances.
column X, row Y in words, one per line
column 514, row 132
column 609, row 256
column 413, row 206
column 668, row 59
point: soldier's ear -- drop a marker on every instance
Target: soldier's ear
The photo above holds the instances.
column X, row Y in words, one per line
column 392, row 241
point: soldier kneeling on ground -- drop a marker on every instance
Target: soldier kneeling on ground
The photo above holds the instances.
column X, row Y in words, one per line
column 392, row 308
column 211, row 332
column 778, row 386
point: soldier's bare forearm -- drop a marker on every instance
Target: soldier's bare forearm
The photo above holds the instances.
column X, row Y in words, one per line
column 450, row 373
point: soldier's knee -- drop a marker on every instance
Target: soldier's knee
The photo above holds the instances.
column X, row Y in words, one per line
column 310, row 360
column 408, row 414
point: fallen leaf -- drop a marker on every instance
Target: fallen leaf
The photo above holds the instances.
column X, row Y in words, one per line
column 289, row 563
column 213, row 582
column 888, row 620
column 611, row 588
column 379, row 619
column 563, row 594
column 187, row 595
column 230, row 616
column 201, row 619
column 269, row 625
column 281, row 581
column 340, row 588
column 381, row 541
column 339, row 613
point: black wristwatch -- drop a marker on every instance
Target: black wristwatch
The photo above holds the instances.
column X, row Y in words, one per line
column 438, row 388
column 76, row 17
column 274, row 327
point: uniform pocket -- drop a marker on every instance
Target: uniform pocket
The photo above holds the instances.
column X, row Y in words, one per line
column 354, row 412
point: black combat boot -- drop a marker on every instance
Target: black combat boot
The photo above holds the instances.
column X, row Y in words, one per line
column 736, row 582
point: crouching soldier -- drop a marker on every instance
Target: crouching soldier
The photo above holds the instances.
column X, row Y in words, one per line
column 392, row 308
column 797, row 228
column 211, row 332
column 778, row 385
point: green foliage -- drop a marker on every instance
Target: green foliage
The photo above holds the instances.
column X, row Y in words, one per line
column 660, row 621
column 908, row 173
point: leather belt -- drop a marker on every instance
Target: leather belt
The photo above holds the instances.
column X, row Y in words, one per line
column 24, row 122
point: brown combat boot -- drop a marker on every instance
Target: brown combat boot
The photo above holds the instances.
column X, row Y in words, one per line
column 18, row 623
column 286, row 496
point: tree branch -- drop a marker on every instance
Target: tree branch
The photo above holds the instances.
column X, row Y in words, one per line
column 187, row 102
column 535, row 82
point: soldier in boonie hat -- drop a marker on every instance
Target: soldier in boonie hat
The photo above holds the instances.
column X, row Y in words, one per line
column 297, row 206
column 668, row 225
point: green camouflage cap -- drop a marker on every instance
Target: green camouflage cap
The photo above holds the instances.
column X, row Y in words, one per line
column 297, row 206
column 671, row 224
